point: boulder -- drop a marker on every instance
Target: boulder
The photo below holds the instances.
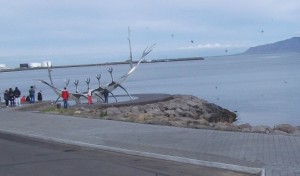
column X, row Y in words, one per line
column 261, row 129
column 188, row 114
column 112, row 111
column 185, row 107
column 245, row 127
column 193, row 103
column 170, row 105
column 297, row 132
column 221, row 126
column 285, row 128
column 170, row 113
column 135, row 109
column 219, row 114
column 154, row 112
column 279, row 132
column 77, row 112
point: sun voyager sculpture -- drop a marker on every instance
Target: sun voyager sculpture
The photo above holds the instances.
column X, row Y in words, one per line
column 101, row 89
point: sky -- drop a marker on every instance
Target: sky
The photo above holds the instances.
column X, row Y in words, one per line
column 97, row 30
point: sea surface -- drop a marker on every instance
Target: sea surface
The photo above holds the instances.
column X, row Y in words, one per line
column 262, row 89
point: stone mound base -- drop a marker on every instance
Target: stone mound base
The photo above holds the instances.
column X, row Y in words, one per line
column 172, row 110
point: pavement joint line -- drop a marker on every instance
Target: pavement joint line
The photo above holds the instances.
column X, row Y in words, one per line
column 232, row 167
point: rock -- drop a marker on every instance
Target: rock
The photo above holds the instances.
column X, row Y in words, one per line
column 297, row 132
column 77, row 112
column 188, row 114
column 191, row 123
column 170, row 113
column 219, row 114
column 155, row 112
column 185, row 107
column 279, row 132
column 84, row 109
column 142, row 118
column 192, row 103
column 261, row 129
column 202, row 122
column 286, row 128
column 205, row 115
column 245, row 127
column 160, row 120
column 178, row 123
column 179, row 111
column 221, row 126
column 112, row 111
column 170, row 106
column 135, row 109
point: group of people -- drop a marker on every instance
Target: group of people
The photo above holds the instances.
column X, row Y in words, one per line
column 31, row 97
column 65, row 96
column 90, row 99
column 13, row 97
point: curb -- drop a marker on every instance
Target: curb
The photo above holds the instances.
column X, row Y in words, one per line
column 237, row 168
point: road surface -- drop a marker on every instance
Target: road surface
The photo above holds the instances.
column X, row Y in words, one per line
column 22, row 156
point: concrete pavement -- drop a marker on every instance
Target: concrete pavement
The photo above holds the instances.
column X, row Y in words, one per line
column 277, row 155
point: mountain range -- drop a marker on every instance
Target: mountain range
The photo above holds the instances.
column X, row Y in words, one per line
column 291, row 45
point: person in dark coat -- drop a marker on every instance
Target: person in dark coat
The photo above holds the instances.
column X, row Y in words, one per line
column 11, row 97
column 17, row 94
column 40, row 96
column 6, row 97
column 32, row 95
column 28, row 98
column 105, row 93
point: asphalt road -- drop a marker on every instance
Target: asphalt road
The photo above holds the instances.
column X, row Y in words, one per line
column 22, row 156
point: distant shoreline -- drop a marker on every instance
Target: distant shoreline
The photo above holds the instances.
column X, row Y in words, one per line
column 108, row 63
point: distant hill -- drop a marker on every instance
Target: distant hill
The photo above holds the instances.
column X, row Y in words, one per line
column 291, row 45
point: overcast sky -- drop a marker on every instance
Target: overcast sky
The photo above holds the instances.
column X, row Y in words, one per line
column 99, row 27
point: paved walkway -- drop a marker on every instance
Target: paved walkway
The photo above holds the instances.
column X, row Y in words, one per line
column 278, row 155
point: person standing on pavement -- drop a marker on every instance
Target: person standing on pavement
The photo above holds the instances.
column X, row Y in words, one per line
column 31, row 95
column 11, row 97
column 6, row 97
column 65, row 96
column 90, row 99
column 105, row 93
column 17, row 93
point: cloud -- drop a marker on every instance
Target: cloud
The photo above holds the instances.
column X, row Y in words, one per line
column 37, row 26
column 209, row 46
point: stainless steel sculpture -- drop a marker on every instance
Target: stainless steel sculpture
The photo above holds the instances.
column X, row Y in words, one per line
column 99, row 92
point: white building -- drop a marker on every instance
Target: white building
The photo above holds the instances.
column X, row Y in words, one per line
column 46, row 64
column 34, row 65
column 3, row 67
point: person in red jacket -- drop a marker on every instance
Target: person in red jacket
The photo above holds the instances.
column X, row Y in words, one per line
column 90, row 98
column 65, row 96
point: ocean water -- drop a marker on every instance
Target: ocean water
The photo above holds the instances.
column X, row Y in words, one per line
column 262, row 89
